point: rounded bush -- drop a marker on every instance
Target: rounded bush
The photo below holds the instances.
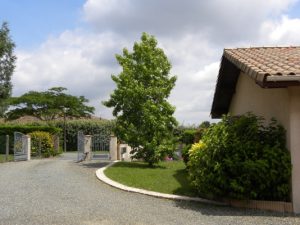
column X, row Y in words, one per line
column 242, row 158
column 42, row 143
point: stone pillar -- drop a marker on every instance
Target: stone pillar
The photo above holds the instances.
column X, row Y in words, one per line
column 113, row 148
column 27, row 146
column 87, row 146
column 7, row 147
column 295, row 145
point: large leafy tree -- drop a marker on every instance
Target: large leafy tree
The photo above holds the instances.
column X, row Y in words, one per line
column 7, row 65
column 144, row 118
column 49, row 105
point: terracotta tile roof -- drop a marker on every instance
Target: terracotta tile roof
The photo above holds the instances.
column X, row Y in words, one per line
column 270, row 67
column 267, row 62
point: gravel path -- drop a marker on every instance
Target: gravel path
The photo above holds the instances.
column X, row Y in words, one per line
column 60, row 191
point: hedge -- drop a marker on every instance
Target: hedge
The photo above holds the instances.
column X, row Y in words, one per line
column 103, row 128
column 25, row 129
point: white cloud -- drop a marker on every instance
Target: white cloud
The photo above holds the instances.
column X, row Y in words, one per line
column 82, row 63
column 221, row 21
column 192, row 33
column 284, row 31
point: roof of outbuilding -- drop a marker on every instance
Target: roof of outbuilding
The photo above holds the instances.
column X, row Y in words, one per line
column 270, row 67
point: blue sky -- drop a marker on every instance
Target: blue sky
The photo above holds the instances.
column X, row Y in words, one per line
column 72, row 43
column 32, row 21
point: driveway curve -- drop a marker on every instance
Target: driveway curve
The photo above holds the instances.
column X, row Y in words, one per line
column 61, row 191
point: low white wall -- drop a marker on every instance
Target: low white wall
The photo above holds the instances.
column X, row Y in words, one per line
column 125, row 150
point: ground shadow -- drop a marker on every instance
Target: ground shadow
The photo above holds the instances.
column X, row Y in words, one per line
column 137, row 165
column 215, row 210
column 185, row 188
column 96, row 164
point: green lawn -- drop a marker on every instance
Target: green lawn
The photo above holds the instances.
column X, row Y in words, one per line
column 3, row 158
column 168, row 177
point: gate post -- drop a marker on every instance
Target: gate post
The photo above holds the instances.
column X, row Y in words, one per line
column 28, row 146
column 7, row 147
column 87, row 146
column 113, row 148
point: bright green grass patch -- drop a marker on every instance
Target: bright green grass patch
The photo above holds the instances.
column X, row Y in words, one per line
column 167, row 177
column 3, row 158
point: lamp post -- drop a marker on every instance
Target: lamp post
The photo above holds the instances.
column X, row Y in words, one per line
column 65, row 130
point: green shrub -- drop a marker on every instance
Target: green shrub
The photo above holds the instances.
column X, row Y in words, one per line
column 88, row 127
column 185, row 153
column 42, row 143
column 242, row 158
column 188, row 136
column 9, row 129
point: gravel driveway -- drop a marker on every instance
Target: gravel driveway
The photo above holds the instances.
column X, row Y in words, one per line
column 60, row 191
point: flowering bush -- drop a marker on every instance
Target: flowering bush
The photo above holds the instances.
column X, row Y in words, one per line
column 242, row 158
column 42, row 143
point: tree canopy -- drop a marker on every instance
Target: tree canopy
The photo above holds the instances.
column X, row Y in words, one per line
column 144, row 117
column 7, row 66
column 49, row 105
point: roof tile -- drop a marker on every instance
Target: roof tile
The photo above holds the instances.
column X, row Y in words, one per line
column 266, row 61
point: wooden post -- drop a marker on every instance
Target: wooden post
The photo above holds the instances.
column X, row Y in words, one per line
column 7, row 147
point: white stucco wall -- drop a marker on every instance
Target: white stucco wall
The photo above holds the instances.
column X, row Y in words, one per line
column 250, row 97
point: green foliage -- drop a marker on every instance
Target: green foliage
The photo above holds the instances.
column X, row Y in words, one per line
column 143, row 115
column 242, row 158
column 188, row 136
column 25, row 129
column 42, row 144
column 49, row 105
column 185, row 153
column 204, row 124
column 7, row 66
column 10, row 129
column 88, row 126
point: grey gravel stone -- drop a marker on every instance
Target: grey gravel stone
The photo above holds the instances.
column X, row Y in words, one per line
column 61, row 191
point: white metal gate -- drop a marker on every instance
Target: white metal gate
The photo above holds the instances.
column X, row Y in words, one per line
column 80, row 145
column 100, row 147
column 21, row 147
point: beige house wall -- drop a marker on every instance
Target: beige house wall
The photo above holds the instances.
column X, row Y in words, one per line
column 280, row 103
column 295, row 145
column 249, row 97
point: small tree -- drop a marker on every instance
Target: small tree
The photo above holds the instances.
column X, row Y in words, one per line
column 143, row 115
column 49, row 105
column 7, row 65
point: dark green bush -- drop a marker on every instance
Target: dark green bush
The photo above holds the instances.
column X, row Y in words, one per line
column 25, row 129
column 242, row 158
column 9, row 129
column 88, row 127
column 188, row 136
column 185, row 153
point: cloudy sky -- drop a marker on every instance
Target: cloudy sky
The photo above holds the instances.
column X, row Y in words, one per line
column 72, row 43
